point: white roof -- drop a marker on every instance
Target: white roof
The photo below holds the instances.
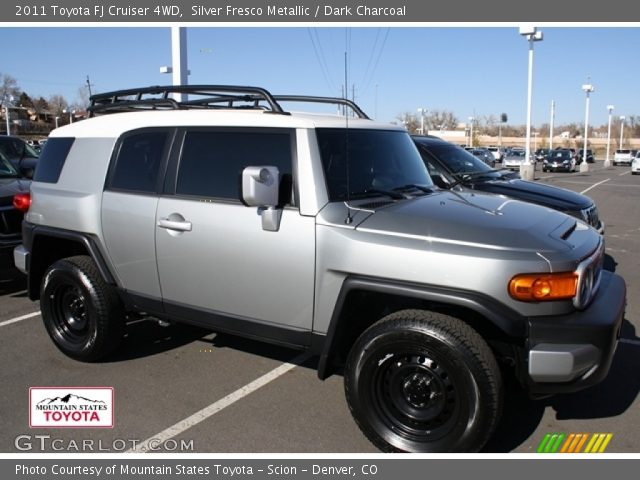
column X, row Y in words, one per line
column 114, row 124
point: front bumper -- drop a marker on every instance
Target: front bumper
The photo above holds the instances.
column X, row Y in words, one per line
column 573, row 352
column 557, row 167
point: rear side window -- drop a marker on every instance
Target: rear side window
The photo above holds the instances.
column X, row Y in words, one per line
column 212, row 161
column 52, row 159
column 138, row 163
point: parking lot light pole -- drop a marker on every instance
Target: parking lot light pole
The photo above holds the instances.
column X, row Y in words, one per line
column 422, row 111
column 584, row 166
column 471, row 119
column 56, row 119
column 532, row 34
column 622, row 117
column 607, row 161
column 553, row 115
column 6, row 115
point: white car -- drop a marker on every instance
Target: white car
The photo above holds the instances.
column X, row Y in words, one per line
column 635, row 164
column 622, row 157
column 514, row 159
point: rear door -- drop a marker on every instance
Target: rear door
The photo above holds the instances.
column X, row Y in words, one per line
column 129, row 204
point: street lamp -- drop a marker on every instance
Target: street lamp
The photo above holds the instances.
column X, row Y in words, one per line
column 422, row 111
column 607, row 162
column 532, row 34
column 584, row 166
column 622, row 117
column 553, row 116
column 71, row 113
column 471, row 120
column 7, row 102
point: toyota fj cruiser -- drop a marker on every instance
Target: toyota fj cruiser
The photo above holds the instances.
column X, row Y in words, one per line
column 318, row 232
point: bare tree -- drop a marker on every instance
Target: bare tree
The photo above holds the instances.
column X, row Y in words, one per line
column 57, row 104
column 8, row 89
column 410, row 121
column 441, row 120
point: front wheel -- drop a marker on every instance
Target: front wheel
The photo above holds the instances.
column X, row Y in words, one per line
column 419, row 381
column 83, row 315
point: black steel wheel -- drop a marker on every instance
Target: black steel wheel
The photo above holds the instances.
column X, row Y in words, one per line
column 83, row 315
column 419, row 381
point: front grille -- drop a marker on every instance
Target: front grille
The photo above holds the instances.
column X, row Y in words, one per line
column 590, row 215
column 589, row 272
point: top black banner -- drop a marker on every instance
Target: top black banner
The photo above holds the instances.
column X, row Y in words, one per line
column 313, row 11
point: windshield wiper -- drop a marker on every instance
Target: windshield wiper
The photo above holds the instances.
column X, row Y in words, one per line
column 465, row 177
column 409, row 186
column 388, row 193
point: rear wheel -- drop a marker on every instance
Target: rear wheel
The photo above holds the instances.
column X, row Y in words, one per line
column 83, row 315
column 419, row 381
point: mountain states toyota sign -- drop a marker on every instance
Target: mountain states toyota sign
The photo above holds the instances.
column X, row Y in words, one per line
column 71, row 407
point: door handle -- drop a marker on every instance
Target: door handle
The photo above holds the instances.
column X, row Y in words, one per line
column 180, row 226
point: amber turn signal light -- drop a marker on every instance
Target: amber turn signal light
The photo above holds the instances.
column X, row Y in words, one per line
column 543, row 287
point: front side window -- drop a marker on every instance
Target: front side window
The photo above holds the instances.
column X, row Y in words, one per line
column 212, row 161
column 363, row 161
column 138, row 163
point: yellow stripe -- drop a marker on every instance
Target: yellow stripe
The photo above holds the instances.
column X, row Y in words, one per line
column 607, row 439
column 583, row 438
column 569, row 439
column 599, row 439
column 592, row 440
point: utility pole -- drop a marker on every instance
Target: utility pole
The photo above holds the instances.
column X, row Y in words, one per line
column 89, row 84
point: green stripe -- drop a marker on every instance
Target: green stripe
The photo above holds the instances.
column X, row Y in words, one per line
column 550, row 443
column 555, row 448
column 543, row 443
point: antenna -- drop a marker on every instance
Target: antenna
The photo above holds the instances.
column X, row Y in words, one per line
column 349, row 218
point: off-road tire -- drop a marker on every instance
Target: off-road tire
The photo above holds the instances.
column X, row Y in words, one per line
column 83, row 315
column 421, row 381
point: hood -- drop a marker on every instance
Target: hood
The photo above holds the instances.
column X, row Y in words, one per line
column 540, row 193
column 475, row 219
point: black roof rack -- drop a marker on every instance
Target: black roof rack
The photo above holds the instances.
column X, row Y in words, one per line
column 203, row 96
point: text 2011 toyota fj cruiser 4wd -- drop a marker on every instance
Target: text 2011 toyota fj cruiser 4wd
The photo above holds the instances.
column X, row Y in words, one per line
column 318, row 232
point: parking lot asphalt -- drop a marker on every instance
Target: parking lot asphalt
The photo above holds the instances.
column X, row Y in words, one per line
column 190, row 390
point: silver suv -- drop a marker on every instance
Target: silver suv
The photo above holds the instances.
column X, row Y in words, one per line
column 319, row 232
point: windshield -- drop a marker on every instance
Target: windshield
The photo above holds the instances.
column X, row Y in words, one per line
column 377, row 160
column 456, row 159
column 15, row 148
column 561, row 154
column 6, row 169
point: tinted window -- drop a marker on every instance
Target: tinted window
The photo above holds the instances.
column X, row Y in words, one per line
column 455, row 159
column 138, row 162
column 212, row 161
column 52, row 159
column 375, row 159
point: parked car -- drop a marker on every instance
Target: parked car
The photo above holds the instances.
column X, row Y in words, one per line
column 541, row 154
column 635, row 164
column 622, row 156
column 450, row 166
column 559, row 160
column 22, row 155
column 579, row 154
column 514, row 159
column 11, row 185
column 498, row 152
column 484, row 155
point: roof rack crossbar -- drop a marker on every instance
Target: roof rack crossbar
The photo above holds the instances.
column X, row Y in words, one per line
column 215, row 93
column 330, row 100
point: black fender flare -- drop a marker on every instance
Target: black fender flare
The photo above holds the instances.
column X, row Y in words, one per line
column 501, row 316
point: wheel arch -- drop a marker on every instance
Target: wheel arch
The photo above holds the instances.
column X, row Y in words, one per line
column 364, row 300
column 47, row 245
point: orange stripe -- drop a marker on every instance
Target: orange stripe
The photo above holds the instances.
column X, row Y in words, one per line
column 576, row 439
column 584, row 438
column 569, row 439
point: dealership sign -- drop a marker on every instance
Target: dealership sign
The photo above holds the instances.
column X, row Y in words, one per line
column 71, row 407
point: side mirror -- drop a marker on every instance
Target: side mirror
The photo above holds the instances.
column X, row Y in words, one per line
column 260, row 188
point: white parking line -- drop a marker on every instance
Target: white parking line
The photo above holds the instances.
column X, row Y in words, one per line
column 625, row 173
column 221, row 404
column 19, row 319
column 595, row 185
